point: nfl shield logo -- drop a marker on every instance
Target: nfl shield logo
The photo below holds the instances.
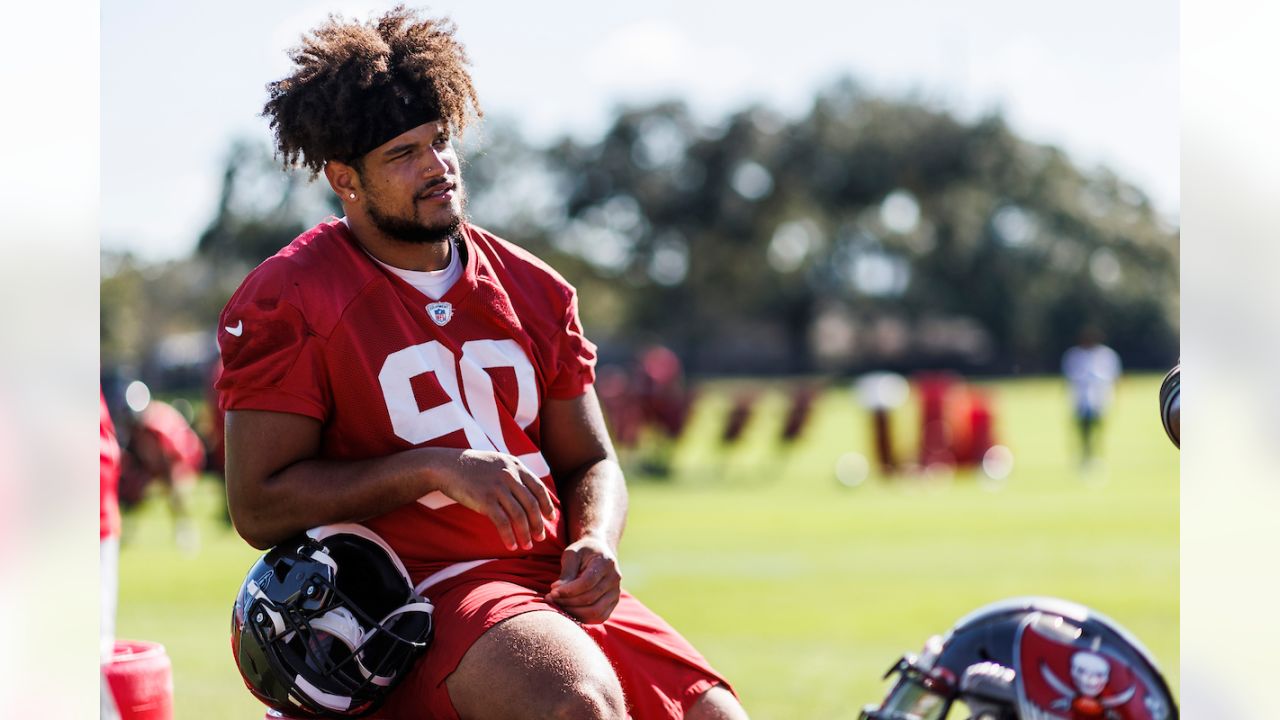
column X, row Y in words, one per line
column 440, row 312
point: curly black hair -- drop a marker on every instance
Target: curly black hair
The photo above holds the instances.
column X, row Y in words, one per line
column 357, row 85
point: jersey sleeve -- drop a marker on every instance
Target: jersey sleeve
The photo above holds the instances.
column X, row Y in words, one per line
column 272, row 359
column 573, row 365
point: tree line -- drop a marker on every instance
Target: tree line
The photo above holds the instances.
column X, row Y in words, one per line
column 870, row 233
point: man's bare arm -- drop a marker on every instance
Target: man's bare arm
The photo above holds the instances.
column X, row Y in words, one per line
column 277, row 486
column 593, row 494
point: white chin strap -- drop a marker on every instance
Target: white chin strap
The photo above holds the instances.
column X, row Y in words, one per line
column 340, row 703
column 340, row 624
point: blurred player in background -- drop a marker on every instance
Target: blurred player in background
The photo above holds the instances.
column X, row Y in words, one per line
column 162, row 446
column 405, row 369
column 109, row 546
column 1091, row 370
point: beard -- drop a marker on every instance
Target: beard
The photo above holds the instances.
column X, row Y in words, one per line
column 411, row 230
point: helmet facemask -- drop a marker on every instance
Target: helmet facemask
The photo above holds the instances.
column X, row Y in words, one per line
column 923, row 690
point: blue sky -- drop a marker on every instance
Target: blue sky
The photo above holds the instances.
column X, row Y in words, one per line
column 180, row 80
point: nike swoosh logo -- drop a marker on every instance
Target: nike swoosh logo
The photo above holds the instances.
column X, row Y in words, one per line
column 236, row 329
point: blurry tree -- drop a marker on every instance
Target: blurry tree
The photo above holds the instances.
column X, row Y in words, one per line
column 869, row 232
column 144, row 303
column 261, row 208
column 519, row 192
column 258, row 211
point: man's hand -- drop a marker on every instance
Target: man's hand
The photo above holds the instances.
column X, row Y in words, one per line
column 590, row 583
column 500, row 487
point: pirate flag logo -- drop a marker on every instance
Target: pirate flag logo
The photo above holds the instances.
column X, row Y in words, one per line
column 1065, row 677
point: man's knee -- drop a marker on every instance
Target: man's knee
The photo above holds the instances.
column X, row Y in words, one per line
column 540, row 664
column 595, row 698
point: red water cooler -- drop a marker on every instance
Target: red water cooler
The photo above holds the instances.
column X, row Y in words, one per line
column 141, row 680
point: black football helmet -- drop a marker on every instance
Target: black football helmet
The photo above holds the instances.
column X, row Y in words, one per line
column 327, row 623
column 1031, row 658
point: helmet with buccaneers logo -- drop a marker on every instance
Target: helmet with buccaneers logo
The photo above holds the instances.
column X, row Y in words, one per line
column 327, row 623
column 1029, row 659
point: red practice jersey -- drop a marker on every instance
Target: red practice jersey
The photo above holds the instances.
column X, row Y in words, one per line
column 166, row 442
column 323, row 330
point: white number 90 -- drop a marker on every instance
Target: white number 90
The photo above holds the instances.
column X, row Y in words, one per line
column 481, row 423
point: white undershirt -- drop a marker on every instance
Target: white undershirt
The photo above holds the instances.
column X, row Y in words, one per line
column 432, row 283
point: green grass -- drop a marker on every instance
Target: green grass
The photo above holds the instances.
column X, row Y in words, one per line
column 800, row 590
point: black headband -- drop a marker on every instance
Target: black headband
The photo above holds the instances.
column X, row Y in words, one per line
column 386, row 115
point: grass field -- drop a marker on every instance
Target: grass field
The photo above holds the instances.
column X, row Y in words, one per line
column 800, row 590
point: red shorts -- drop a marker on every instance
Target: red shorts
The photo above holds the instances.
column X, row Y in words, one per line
column 661, row 673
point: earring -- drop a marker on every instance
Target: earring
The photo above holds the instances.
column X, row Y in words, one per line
column 353, row 196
